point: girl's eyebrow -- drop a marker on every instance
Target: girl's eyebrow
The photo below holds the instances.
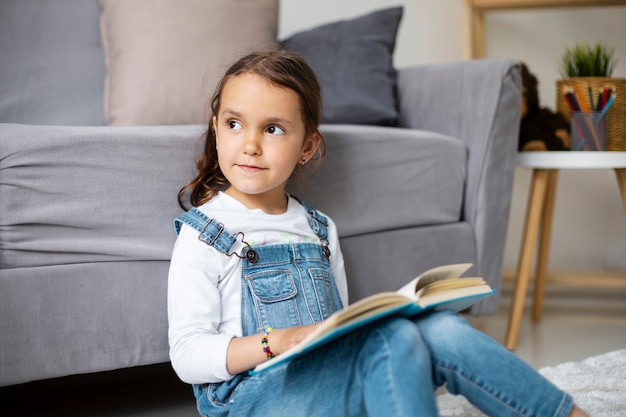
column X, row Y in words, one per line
column 230, row 112
column 279, row 121
column 270, row 120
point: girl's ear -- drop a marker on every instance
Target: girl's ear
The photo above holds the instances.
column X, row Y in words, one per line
column 310, row 146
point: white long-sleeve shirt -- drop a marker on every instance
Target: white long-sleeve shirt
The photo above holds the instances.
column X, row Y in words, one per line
column 204, row 286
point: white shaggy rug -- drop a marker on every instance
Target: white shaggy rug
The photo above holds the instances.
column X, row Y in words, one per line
column 598, row 385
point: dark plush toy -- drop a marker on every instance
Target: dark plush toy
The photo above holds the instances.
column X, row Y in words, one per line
column 541, row 129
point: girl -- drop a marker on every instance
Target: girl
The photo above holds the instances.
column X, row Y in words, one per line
column 249, row 258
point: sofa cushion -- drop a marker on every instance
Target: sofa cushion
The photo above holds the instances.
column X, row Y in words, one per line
column 84, row 194
column 353, row 61
column 375, row 173
column 164, row 58
column 52, row 69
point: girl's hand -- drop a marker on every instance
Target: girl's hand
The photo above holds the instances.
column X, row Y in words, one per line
column 283, row 339
column 244, row 353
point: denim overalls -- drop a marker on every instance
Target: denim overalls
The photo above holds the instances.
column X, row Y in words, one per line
column 283, row 285
column 388, row 368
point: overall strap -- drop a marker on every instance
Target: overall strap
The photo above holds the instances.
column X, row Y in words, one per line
column 211, row 231
column 319, row 224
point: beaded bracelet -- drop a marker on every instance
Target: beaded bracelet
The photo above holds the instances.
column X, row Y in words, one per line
column 266, row 347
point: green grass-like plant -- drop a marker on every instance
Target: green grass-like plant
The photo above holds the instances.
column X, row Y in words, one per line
column 584, row 60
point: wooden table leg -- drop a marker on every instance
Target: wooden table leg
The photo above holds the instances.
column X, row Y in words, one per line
column 621, row 180
column 538, row 188
column 544, row 245
column 477, row 27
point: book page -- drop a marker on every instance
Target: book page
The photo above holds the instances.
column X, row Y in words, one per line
column 449, row 284
column 457, row 293
column 368, row 306
column 434, row 274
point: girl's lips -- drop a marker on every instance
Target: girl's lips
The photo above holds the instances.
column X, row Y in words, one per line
column 250, row 168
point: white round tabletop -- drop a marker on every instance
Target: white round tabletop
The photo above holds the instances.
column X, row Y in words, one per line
column 571, row 160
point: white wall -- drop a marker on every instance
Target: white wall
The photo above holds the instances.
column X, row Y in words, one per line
column 590, row 224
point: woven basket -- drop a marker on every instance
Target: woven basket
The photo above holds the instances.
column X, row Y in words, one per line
column 616, row 115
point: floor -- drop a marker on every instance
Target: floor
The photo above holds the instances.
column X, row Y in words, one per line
column 574, row 326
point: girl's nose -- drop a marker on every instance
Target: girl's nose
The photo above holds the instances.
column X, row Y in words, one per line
column 252, row 143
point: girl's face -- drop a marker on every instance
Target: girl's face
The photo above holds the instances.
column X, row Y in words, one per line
column 260, row 137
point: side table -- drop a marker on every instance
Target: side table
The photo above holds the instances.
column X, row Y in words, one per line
column 539, row 210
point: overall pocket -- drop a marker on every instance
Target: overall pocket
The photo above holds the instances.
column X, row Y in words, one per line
column 273, row 294
column 325, row 296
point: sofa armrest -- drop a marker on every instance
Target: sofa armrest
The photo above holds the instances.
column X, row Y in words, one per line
column 478, row 102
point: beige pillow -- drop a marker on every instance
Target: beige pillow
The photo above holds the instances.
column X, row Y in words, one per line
column 165, row 57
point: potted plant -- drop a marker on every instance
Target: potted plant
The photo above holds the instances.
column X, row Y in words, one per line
column 587, row 71
column 584, row 60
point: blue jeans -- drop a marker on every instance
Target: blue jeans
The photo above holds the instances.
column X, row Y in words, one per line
column 391, row 368
column 492, row 378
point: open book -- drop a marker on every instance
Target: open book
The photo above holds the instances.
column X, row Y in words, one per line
column 437, row 288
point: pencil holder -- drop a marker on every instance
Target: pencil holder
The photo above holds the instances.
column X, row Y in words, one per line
column 588, row 131
column 615, row 118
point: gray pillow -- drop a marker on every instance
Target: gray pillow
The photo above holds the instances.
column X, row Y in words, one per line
column 52, row 69
column 353, row 60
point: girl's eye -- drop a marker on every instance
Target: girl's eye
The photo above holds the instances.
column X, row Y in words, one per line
column 275, row 130
column 234, row 125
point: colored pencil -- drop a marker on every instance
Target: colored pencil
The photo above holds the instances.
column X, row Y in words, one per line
column 581, row 98
column 608, row 104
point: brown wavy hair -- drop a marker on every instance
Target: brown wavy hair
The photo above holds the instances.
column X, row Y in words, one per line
column 282, row 68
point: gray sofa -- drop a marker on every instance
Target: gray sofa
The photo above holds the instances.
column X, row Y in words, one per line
column 86, row 209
